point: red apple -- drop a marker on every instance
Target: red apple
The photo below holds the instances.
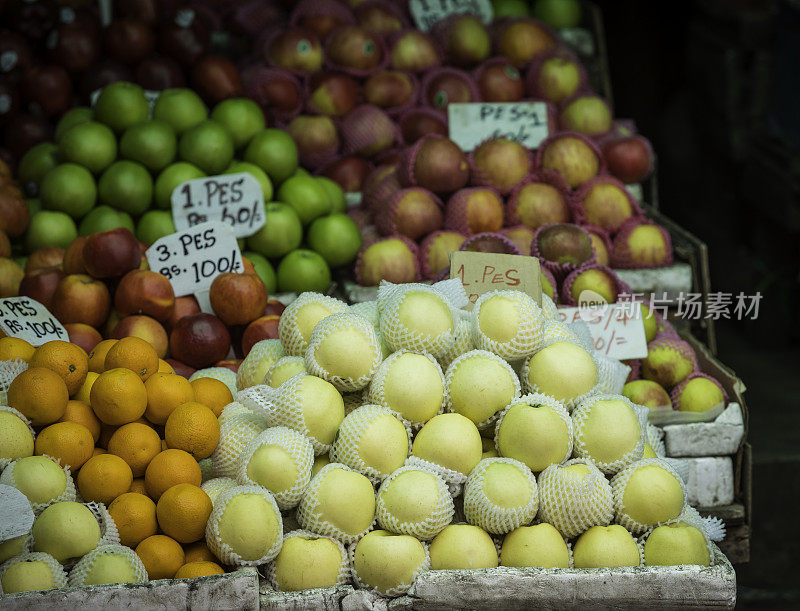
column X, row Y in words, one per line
column 111, row 254
column 81, row 298
column 264, row 327
column 143, row 327
column 184, row 306
column 199, row 340
column 83, row 335
column 41, row 285
column 237, row 299
column 44, row 257
column 145, row 292
column 332, row 93
column 630, row 158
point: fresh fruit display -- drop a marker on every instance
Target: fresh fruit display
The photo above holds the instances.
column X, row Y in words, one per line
column 398, row 420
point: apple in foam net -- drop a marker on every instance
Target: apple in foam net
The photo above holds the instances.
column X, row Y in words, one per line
column 677, row 543
column 306, row 562
column 535, row 435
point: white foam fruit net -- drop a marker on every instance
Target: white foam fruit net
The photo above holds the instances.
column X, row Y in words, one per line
column 368, row 310
column 258, row 399
column 235, row 432
column 354, row 400
column 567, row 544
column 292, row 404
column 563, row 374
column 283, row 369
column 299, row 450
column 612, row 374
column 549, row 307
column 411, row 385
column 553, row 330
column 378, row 452
column 711, row 526
column 343, row 577
column 535, row 448
column 223, row 550
column 109, row 535
column 214, row 486
column 9, row 370
column 261, row 356
column 310, row 513
column 463, row 339
column 67, row 494
column 299, row 318
column 421, row 511
column 523, row 335
column 56, row 570
column 573, row 502
column 609, row 434
column 82, row 570
column 344, row 349
column 430, row 326
column 655, row 437
column 478, row 385
column 223, row 374
column 396, row 590
column 492, row 514
column 620, row 482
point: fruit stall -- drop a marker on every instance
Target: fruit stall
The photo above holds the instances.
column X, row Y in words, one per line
column 341, row 304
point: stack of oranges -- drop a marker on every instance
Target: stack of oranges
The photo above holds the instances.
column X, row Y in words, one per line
column 131, row 432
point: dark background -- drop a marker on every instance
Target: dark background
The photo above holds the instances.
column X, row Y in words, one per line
column 716, row 87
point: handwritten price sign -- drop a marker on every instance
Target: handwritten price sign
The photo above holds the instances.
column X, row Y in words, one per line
column 234, row 199
column 524, row 122
column 617, row 329
column 191, row 259
column 428, row 12
column 28, row 319
column 481, row 272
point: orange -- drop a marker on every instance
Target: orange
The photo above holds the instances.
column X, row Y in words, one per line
column 198, row 552
column 97, row 357
column 98, row 451
column 66, row 359
column 137, row 444
column 103, row 478
column 135, row 354
column 194, row 428
column 168, row 468
column 198, row 569
column 183, row 511
column 165, row 392
column 80, row 412
column 84, row 392
column 164, row 445
column 39, row 394
column 164, row 367
column 69, row 442
column 137, row 485
column 162, row 556
column 15, row 348
column 118, row 396
column 135, row 517
column 212, row 393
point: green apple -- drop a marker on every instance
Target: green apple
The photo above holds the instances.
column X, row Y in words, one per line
column 38, row 161
column 120, row 105
column 264, row 270
column 306, row 562
column 126, row 186
column 677, row 543
column 50, row 228
column 153, row 225
column 605, row 547
column 303, row 270
column 274, row 151
column 243, row 118
column 538, row 545
column 69, row 188
column 66, row 530
column 208, row 145
column 151, row 143
column 558, row 13
column 104, row 218
column 463, row 546
column 510, row 8
column 172, row 176
column 449, row 440
column 307, row 196
column 335, row 193
column 71, row 118
column 181, row 108
column 535, row 435
column 282, row 232
column 237, row 167
column 336, row 237
column 28, row 575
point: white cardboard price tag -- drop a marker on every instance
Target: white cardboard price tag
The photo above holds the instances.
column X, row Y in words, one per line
column 234, row 199
column 617, row 329
column 192, row 258
column 524, row 122
column 28, row 319
column 428, row 12
column 481, row 272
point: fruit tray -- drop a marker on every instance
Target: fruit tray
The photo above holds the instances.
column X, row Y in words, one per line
column 236, row 590
column 736, row 515
column 712, row 587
